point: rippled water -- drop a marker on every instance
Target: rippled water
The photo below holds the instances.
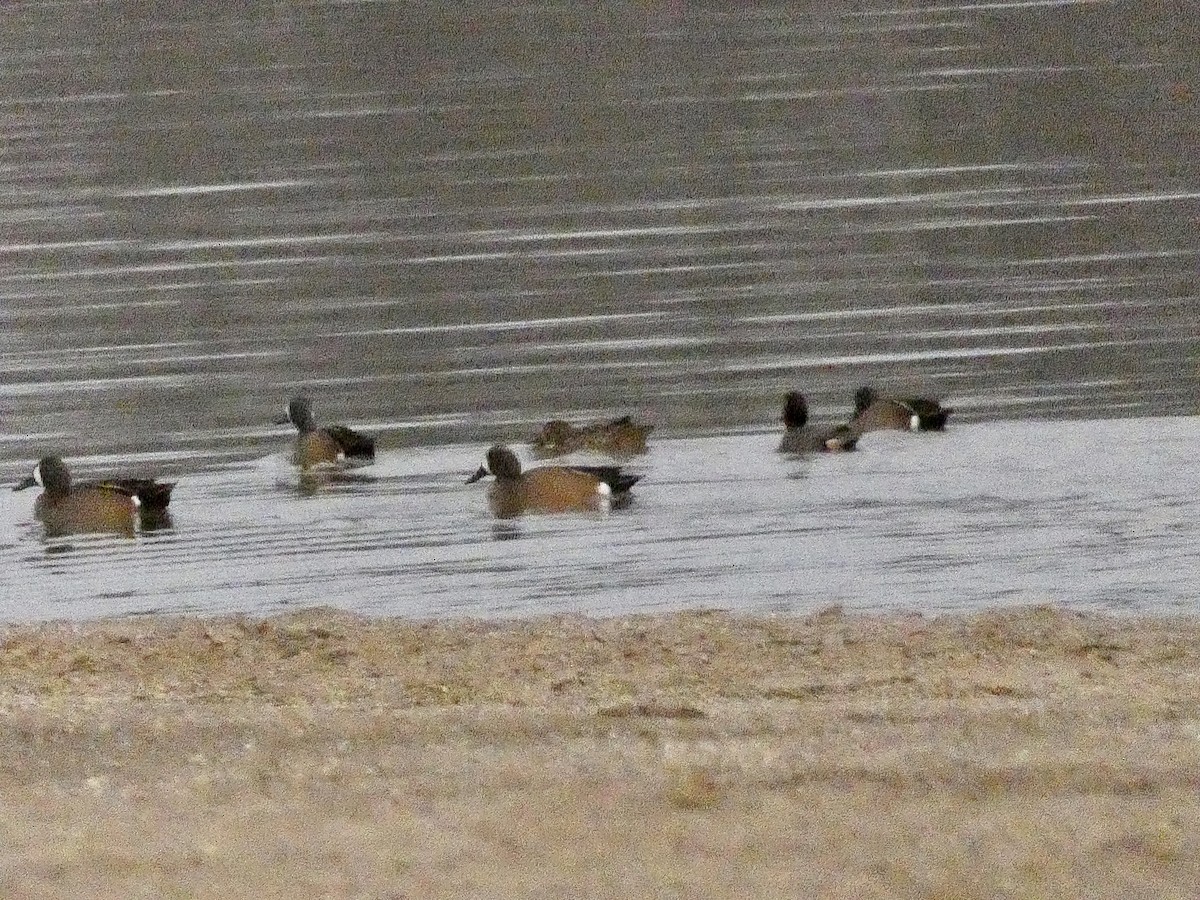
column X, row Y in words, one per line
column 1089, row 514
column 441, row 220
column 449, row 222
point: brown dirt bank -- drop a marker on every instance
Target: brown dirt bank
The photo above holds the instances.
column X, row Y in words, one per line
column 1033, row 753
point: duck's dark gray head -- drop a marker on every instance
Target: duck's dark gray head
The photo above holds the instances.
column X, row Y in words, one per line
column 795, row 410
column 863, row 398
column 50, row 474
column 501, row 462
column 299, row 413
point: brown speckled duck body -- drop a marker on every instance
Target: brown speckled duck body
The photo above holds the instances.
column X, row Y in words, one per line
column 620, row 437
column 550, row 489
column 112, row 505
column 324, row 445
column 874, row 413
column 801, row 437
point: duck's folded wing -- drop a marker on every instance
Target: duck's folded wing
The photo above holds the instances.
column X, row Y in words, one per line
column 150, row 493
column 119, row 485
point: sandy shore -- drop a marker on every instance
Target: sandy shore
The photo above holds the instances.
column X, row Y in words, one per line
column 1036, row 753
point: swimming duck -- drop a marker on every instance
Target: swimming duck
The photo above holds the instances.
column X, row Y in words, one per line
column 872, row 412
column 618, row 437
column 324, row 445
column 103, row 505
column 800, row 437
column 550, row 489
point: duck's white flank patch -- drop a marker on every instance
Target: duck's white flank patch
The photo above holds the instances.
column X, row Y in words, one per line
column 914, row 424
column 37, row 474
column 603, row 497
column 137, row 501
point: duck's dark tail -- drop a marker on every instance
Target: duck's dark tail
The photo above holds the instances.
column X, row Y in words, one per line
column 154, row 494
column 617, row 481
column 931, row 415
column 151, row 494
column 841, row 437
column 622, row 483
column 352, row 444
column 935, row 422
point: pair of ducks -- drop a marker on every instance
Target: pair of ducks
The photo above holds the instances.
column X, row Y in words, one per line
column 619, row 437
column 123, row 505
column 871, row 413
column 551, row 489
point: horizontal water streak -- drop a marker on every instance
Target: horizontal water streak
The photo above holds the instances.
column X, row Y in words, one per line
column 916, row 355
column 165, row 268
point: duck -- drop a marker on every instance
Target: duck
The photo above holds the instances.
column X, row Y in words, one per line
column 324, row 445
column 114, row 505
column 800, row 437
column 620, row 437
column 550, row 489
column 873, row 412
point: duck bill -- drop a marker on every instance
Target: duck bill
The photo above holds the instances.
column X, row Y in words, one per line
column 28, row 482
column 480, row 473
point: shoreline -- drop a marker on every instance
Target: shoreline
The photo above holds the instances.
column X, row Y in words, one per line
column 1031, row 751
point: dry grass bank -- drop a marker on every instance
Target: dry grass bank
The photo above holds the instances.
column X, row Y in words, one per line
column 1036, row 753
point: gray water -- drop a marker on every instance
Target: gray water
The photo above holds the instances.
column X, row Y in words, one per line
column 1091, row 514
column 447, row 224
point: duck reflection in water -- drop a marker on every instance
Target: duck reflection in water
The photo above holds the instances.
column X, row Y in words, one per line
column 313, row 481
